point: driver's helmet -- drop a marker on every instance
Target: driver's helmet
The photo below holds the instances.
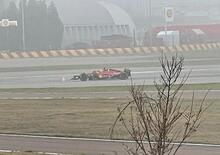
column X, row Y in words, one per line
column 105, row 69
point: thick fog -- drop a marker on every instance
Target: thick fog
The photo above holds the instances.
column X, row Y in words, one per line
column 87, row 23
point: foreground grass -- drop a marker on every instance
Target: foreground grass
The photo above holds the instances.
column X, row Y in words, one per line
column 82, row 118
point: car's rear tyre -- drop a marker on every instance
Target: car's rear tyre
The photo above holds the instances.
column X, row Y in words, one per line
column 83, row 77
column 91, row 77
column 123, row 76
column 127, row 71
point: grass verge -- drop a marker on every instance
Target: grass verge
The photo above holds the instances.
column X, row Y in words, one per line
column 82, row 118
column 206, row 86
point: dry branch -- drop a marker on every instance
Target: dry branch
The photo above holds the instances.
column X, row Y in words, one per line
column 156, row 123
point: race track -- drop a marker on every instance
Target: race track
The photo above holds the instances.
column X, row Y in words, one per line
column 57, row 72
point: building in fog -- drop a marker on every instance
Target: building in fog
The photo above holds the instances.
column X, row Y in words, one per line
column 87, row 21
column 150, row 13
column 186, row 11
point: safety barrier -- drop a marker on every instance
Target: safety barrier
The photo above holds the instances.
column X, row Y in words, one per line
column 108, row 51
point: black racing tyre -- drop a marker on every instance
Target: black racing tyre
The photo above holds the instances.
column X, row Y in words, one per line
column 123, row 76
column 127, row 71
column 91, row 77
column 83, row 77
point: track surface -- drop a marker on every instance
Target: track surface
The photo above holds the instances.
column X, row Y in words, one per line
column 56, row 72
column 86, row 146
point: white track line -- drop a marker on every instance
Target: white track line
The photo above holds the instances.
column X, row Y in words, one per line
column 13, row 151
column 6, row 151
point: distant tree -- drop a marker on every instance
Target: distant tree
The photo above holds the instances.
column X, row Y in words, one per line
column 43, row 28
column 3, row 41
column 12, row 33
column 32, row 25
column 9, row 35
column 1, row 5
column 55, row 28
column 20, row 22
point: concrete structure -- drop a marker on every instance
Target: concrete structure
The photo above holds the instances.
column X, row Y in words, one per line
column 89, row 20
column 86, row 21
column 186, row 10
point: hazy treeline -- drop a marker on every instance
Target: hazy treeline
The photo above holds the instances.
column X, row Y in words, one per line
column 43, row 28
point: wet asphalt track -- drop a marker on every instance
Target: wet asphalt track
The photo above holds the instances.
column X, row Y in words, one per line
column 57, row 72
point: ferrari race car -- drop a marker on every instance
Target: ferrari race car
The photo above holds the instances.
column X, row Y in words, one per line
column 104, row 74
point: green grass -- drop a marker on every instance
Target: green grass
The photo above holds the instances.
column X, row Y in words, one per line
column 82, row 118
column 86, row 117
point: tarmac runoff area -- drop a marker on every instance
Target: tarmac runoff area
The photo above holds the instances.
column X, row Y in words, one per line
column 62, row 145
column 57, row 72
column 61, row 78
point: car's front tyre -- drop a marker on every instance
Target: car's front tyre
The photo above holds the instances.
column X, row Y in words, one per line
column 123, row 76
column 83, row 77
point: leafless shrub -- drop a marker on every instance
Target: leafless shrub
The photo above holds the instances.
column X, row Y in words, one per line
column 156, row 122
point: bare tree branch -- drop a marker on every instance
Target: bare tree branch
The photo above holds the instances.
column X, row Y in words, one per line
column 161, row 119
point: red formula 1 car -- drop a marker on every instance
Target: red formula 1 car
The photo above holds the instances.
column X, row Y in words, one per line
column 104, row 74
